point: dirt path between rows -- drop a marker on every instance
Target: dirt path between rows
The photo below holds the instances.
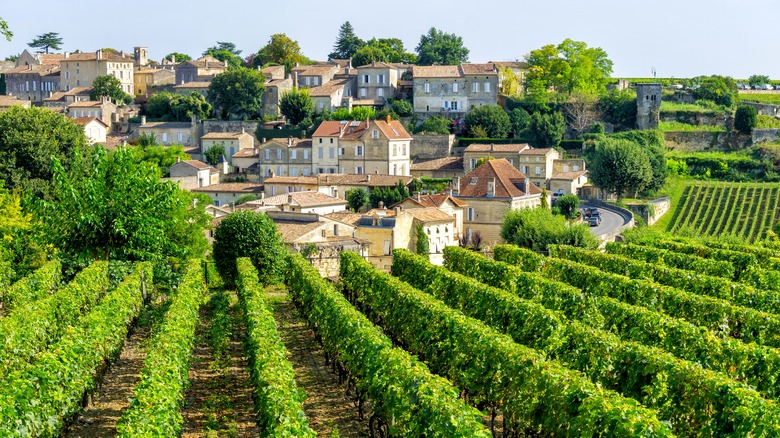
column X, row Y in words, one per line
column 329, row 410
column 219, row 402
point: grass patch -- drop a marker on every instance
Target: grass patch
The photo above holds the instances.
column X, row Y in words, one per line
column 767, row 122
column 675, row 107
column 673, row 188
column 685, row 127
column 771, row 99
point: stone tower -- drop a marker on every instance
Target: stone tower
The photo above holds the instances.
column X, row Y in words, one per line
column 141, row 56
column 648, row 105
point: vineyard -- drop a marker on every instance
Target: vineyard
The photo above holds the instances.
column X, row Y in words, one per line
column 746, row 210
column 658, row 337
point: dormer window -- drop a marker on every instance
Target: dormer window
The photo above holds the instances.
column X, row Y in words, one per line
column 473, row 181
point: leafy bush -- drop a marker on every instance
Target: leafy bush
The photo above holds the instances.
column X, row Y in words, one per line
column 569, row 205
column 403, row 108
column 434, row 125
column 246, row 233
column 488, row 121
column 537, row 228
column 745, row 119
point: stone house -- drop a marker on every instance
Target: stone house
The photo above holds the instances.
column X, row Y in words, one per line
column 201, row 87
column 94, row 128
column 33, row 82
column 171, row 133
column 29, row 58
column 285, row 157
column 102, row 109
column 475, row 151
column 445, row 202
column 452, row 90
column 246, row 161
column 439, row 228
column 308, row 76
column 6, row 102
column 568, row 177
column 518, row 69
column 225, row 194
column 232, row 141
column 330, row 95
column 491, row 190
column 447, row 167
column 377, row 81
column 192, row 174
column 537, row 163
column 145, row 78
column 62, row 99
column 81, row 69
column 371, row 146
column 202, row 69
column 276, row 83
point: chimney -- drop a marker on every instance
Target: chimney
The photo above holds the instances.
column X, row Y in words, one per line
column 29, row 66
column 368, row 178
column 263, row 141
column 178, row 159
column 143, row 120
column 262, row 195
column 289, row 198
column 381, row 205
column 173, row 59
column 289, row 141
column 456, row 186
column 67, row 55
column 347, row 70
column 397, row 211
column 449, row 191
column 388, row 119
column 416, row 196
column 98, row 55
column 525, row 186
column 491, row 187
column 243, row 131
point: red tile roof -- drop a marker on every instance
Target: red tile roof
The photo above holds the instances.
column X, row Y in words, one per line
column 512, row 147
column 508, row 181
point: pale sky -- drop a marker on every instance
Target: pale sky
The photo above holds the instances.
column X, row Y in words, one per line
column 680, row 38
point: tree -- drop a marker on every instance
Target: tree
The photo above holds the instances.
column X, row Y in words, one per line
column 5, row 30
column 382, row 50
column 214, row 153
column 250, row 234
column 109, row 86
column 280, row 50
column 758, row 80
column 719, row 89
column 175, row 107
column 423, row 244
column 233, row 60
column 20, row 253
column 435, row 125
column 581, row 112
column 745, row 119
column 546, row 129
column 510, row 84
column 223, row 45
column 347, row 43
column 296, row 105
column 178, row 57
column 537, row 228
column 569, row 205
column 46, row 41
column 246, row 197
column 125, row 212
column 159, row 155
column 491, row 118
column 237, row 93
column 569, row 67
column 619, row 108
column 519, row 119
column 437, row 47
column 357, row 198
column 653, row 144
column 620, row 166
column 403, row 108
column 29, row 138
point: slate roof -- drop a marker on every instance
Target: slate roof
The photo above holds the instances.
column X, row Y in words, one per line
column 508, row 180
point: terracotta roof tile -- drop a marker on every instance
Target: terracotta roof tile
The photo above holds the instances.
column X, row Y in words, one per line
column 39, row 69
column 231, row 188
column 436, row 71
column 166, row 125
column 508, row 181
column 329, row 87
column 536, row 151
column 513, row 147
column 310, row 180
column 430, row 214
column 346, row 217
column 568, row 176
column 206, row 61
column 246, row 153
column 435, row 200
column 370, row 180
column 92, row 56
column 309, row 198
column 86, row 120
column 479, row 69
column 86, row 104
column 290, row 142
column 222, row 135
column 446, row 163
column 11, row 100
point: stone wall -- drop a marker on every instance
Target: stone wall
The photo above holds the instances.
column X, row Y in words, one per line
column 695, row 118
column 764, row 109
column 705, row 141
column 429, row 147
column 765, row 135
column 653, row 210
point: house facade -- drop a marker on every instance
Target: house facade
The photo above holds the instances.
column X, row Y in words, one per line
column 453, row 90
column 232, row 141
column 192, row 174
column 447, row 167
column 103, row 110
column 81, row 69
column 171, row 133
column 202, row 69
column 377, row 81
column 285, row 157
column 145, row 78
column 538, row 164
column 491, row 190
column 33, row 82
column 94, row 128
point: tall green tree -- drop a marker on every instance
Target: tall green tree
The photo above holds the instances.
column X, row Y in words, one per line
column 719, row 89
column 296, row 105
column 46, row 41
column 214, row 153
column 237, row 93
column 125, row 212
column 383, row 50
column 437, row 47
column 621, row 167
column 569, row 67
column 281, row 50
column 757, row 80
column 175, row 107
column 423, row 246
column 347, row 43
column 546, row 129
column 233, row 60
column 357, row 198
column 490, row 118
column 29, row 139
column 5, row 30
column 745, row 119
column 179, row 57
column 109, row 86
column 223, row 45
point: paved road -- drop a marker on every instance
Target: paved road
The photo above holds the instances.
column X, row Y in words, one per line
column 609, row 221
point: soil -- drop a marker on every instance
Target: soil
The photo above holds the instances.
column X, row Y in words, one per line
column 329, row 410
column 219, row 402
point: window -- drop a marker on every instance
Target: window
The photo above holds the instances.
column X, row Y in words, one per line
column 403, row 150
column 331, row 141
column 453, row 105
column 341, row 151
column 380, row 92
column 375, row 134
column 293, row 172
column 366, row 79
column 180, row 136
column 321, row 105
column 293, row 154
column 305, row 154
column 475, row 87
column 525, row 169
column 470, row 214
column 358, row 170
column 307, row 80
column 395, row 150
column 427, row 87
column 472, row 163
column 362, row 92
column 487, row 87
column 267, row 154
column 380, row 79
column 538, row 170
column 164, row 137
column 316, row 80
column 454, row 87
column 565, row 168
column 575, row 168
column 358, row 151
column 320, row 152
column 67, row 75
column 279, row 154
column 387, row 247
column 305, row 171
column 278, row 170
column 320, row 141
column 331, row 152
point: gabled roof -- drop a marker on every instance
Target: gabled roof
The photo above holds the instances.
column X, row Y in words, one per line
column 327, row 89
column 478, row 69
column 568, row 176
column 200, row 165
column 353, row 130
column 508, row 181
column 430, row 214
column 446, row 163
column 309, row 198
column 223, row 135
column 513, row 147
column 49, row 58
column 87, row 120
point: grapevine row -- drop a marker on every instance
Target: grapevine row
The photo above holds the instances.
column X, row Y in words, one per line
column 30, row 328
column 39, row 284
column 756, row 365
column 717, row 315
column 688, row 262
column 39, row 397
column 278, row 401
column 158, row 396
column 536, row 395
column 404, row 393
